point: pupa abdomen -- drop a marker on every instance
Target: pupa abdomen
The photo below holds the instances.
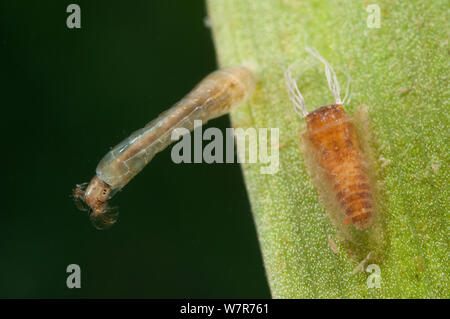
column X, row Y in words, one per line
column 334, row 141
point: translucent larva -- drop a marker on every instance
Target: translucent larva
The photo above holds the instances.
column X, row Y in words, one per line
column 336, row 149
column 214, row 96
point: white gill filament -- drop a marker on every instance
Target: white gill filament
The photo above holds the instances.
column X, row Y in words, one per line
column 294, row 93
column 333, row 83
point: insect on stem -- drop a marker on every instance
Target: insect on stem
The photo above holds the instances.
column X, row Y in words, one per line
column 216, row 95
column 333, row 143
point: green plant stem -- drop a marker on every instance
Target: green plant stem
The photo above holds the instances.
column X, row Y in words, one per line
column 400, row 73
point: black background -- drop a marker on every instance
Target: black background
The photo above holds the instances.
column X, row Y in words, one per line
column 67, row 96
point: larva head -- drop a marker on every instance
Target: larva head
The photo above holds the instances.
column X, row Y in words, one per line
column 97, row 194
column 94, row 197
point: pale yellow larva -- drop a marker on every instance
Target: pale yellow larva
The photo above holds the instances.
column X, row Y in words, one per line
column 214, row 96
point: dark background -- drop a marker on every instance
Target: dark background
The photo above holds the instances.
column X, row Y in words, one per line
column 67, row 96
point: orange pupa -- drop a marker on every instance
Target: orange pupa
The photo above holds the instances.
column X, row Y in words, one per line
column 333, row 139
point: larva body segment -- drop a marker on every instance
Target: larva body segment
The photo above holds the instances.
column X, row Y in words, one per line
column 334, row 141
column 214, row 96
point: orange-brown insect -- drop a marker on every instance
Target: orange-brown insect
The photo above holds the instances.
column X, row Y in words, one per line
column 337, row 149
column 332, row 138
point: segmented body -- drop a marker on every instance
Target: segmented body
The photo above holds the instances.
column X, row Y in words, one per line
column 333, row 138
column 214, row 96
column 211, row 98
